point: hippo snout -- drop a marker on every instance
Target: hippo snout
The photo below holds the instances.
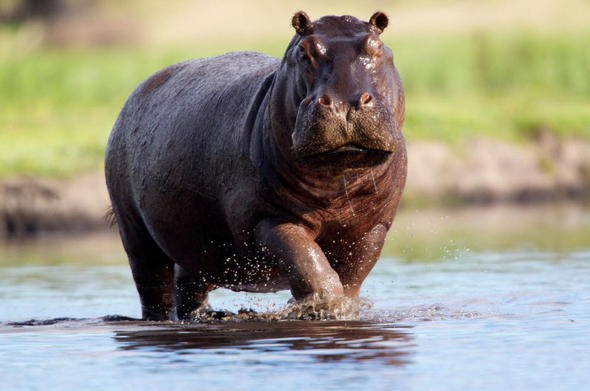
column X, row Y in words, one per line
column 357, row 102
column 327, row 124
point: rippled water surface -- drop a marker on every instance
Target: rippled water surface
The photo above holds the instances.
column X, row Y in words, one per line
column 486, row 299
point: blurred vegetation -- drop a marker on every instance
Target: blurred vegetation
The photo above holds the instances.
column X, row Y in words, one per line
column 509, row 86
column 58, row 104
column 435, row 234
column 20, row 10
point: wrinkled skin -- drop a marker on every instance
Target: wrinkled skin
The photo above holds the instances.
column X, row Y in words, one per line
column 254, row 174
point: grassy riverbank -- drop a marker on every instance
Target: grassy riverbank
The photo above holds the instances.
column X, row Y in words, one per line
column 58, row 105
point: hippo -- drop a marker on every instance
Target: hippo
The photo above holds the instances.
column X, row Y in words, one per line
column 256, row 174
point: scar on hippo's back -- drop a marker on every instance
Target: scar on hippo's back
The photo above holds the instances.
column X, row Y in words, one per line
column 157, row 80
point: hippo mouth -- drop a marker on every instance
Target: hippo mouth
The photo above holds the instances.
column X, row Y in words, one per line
column 347, row 155
column 353, row 148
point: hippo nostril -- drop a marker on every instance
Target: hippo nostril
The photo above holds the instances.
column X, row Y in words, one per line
column 365, row 99
column 325, row 100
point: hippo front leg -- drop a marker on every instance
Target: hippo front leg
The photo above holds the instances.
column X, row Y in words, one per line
column 294, row 249
column 360, row 259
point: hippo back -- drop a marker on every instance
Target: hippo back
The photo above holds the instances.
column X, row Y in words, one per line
column 177, row 138
column 175, row 117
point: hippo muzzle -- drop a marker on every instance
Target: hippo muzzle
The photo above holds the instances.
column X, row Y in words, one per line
column 327, row 126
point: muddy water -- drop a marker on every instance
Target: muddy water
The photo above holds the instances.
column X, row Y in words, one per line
column 483, row 299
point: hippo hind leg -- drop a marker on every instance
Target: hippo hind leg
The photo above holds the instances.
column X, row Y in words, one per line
column 152, row 270
column 191, row 294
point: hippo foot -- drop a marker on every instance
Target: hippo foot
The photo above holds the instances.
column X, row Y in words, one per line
column 343, row 308
column 207, row 314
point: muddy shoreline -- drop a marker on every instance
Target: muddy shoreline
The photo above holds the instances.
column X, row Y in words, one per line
column 481, row 171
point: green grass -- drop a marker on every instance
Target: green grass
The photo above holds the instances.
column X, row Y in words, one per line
column 507, row 86
column 58, row 105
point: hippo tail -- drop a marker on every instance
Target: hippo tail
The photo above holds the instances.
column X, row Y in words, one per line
column 110, row 217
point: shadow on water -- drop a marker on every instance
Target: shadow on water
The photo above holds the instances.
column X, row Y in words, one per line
column 324, row 341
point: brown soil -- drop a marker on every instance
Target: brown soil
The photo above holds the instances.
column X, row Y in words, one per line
column 30, row 206
column 482, row 171
column 486, row 170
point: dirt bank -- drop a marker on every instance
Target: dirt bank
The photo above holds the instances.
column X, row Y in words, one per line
column 485, row 171
column 30, row 206
column 480, row 171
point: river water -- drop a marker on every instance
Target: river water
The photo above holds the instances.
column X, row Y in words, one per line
column 466, row 299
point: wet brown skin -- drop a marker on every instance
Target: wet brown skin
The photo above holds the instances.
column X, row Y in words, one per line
column 254, row 174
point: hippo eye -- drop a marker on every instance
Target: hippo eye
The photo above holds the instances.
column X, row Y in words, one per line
column 372, row 46
column 312, row 51
column 304, row 56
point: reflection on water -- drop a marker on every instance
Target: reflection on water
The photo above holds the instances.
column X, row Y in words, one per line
column 438, row 234
column 324, row 341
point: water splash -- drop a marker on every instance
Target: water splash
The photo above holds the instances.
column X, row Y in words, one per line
column 309, row 309
column 426, row 313
column 315, row 309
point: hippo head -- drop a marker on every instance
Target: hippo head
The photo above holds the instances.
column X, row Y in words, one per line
column 345, row 93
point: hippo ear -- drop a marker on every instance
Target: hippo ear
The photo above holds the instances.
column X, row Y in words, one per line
column 302, row 23
column 379, row 20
